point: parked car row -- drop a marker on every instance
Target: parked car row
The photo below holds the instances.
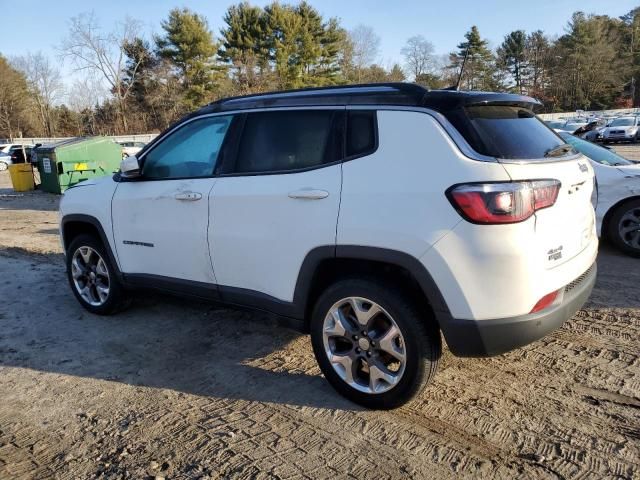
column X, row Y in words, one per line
column 624, row 128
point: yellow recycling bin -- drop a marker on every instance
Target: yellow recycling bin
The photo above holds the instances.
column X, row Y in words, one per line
column 21, row 177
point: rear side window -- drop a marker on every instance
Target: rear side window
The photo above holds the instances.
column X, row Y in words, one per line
column 508, row 132
column 287, row 140
column 361, row 132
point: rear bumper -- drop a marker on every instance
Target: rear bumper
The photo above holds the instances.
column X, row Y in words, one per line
column 485, row 338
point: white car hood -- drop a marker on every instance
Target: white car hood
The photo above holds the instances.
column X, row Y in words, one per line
column 630, row 170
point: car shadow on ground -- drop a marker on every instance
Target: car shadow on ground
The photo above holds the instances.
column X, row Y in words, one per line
column 186, row 345
column 160, row 342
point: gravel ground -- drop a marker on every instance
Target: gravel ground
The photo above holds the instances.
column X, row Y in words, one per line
column 180, row 389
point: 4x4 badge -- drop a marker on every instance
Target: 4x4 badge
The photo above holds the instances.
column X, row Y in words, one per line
column 583, row 167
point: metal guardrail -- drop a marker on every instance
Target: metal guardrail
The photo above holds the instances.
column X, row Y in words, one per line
column 144, row 137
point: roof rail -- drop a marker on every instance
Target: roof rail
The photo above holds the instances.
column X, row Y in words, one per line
column 367, row 94
column 399, row 87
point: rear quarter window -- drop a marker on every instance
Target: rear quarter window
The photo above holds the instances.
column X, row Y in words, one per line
column 508, row 132
column 361, row 133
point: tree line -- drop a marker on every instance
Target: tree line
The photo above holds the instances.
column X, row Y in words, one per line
column 132, row 84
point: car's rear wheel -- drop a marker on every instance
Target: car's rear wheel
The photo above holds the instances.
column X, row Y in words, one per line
column 372, row 343
column 624, row 228
column 93, row 278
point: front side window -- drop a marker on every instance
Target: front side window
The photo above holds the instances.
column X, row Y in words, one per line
column 287, row 140
column 189, row 152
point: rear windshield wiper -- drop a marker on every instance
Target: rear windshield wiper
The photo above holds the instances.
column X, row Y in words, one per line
column 559, row 150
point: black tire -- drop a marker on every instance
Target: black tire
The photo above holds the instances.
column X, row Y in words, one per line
column 422, row 344
column 117, row 298
column 623, row 241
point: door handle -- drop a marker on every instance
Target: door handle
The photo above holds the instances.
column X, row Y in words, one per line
column 309, row 194
column 188, row 196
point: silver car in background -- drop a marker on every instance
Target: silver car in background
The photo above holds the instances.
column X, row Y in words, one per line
column 622, row 129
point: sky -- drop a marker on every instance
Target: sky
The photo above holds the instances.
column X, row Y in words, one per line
column 31, row 26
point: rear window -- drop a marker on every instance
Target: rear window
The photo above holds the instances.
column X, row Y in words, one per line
column 508, row 132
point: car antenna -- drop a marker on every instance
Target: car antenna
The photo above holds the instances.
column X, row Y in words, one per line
column 456, row 87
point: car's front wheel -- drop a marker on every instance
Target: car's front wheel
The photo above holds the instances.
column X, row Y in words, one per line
column 373, row 344
column 93, row 278
column 3, row 166
column 624, row 228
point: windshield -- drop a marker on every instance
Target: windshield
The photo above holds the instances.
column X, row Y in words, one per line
column 555, row 123
column 624, row 122
column 595, row 152
column 504, row 131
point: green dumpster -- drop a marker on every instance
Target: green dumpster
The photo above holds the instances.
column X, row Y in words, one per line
column 68, row 162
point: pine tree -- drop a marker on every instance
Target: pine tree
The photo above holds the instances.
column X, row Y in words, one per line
column 243, row 46
column 189, row 45
column 479, row 68
column 512, row 54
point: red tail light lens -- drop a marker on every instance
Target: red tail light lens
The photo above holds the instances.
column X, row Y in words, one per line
column 545, row 301
column 496, row 203
column 545, row 193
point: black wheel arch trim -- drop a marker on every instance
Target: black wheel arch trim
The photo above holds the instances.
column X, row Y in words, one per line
column 94, row 222
column 375, row 254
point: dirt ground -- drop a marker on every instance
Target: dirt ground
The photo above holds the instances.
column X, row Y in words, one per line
column 180, row 389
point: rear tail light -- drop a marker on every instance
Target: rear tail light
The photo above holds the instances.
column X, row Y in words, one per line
column 496, row 203
column 545, row 301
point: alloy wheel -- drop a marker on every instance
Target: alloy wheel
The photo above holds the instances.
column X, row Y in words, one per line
column 364, row 345
column 90, row 276
column 3, row 166
column 629, row 228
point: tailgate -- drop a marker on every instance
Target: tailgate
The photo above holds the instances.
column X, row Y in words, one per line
column 566, row 228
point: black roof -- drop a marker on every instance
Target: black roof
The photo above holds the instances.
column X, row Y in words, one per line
column 397, row 94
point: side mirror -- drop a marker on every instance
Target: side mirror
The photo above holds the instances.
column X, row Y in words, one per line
column 129, row 167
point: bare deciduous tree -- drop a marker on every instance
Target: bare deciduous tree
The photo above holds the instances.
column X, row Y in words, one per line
column 418, row 55
column 365, row 47
column 90, row 49
column 45, row 84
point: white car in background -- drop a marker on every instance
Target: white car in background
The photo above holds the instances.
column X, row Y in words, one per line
column 622, row 129
column 617, row 195
column 6, row 150
column 131, row 148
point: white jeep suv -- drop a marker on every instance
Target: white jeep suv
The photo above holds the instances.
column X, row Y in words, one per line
column 376, row 216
